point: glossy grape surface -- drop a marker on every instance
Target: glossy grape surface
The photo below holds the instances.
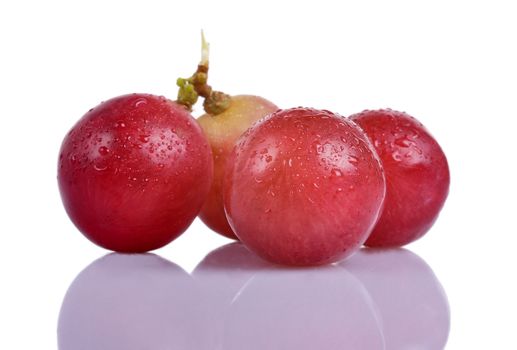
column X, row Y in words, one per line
column 134, row 172
column 222, row 131
column 417, row 176
column 303, row 187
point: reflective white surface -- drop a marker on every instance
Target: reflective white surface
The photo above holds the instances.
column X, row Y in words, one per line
column 388, row 299
column 451, row 64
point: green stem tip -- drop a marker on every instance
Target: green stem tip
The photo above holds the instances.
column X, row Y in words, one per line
column 190, row 89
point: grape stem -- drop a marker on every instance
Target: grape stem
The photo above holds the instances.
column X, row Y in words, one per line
column 190, row 89
column 205, row 50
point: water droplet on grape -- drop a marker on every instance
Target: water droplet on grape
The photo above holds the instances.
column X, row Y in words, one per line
column 336, row 172
column 396, row 156
column 403, row 142
column 353, row 159
column 140, row 102
column 103, row 150
column 100, row 167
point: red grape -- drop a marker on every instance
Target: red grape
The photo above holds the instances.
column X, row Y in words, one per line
column 134, row 172
column 303, row 187
column 226, row 118
column 222, row 131
column 417, row 176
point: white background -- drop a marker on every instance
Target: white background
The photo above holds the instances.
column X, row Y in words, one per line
column 451, row 64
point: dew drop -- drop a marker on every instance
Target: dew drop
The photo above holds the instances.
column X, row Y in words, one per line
column 396, row 156
column 336, row 172
column 140, row 102
column 353, row 159
column 103, row 150
column 100, row 167
column 403, row 142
